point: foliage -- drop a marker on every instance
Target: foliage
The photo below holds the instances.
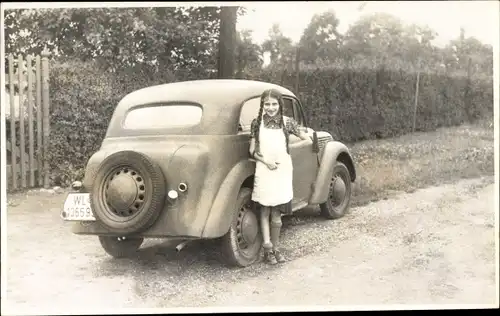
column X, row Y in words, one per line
column 248, row 54
column 385, row 39
column 280, row 47
column 187, row 37
column 460, row 51
column 79, row 116
column 320, row 39
column 118, row 37
column 18, row 38
column 379, row 103
column 378, row 40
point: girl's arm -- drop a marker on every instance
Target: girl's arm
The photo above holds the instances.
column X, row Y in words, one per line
column 251, row 150
column 304, row 135
column 258, row 157
column 295, row 129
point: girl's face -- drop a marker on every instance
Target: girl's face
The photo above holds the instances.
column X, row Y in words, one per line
column 271, row 106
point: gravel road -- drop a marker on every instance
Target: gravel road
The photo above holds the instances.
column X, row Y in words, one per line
column 433, row 246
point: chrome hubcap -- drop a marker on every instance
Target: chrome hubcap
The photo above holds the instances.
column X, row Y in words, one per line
column 124, row 192
column 247, row 228
column 337, row 190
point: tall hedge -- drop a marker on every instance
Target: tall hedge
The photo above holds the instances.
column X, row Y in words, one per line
column 365, row 104
column 351, row 104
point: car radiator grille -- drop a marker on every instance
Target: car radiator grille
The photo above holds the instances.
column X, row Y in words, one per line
column 322, row 142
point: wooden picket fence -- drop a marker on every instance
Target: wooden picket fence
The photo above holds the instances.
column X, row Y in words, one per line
column 27, row 165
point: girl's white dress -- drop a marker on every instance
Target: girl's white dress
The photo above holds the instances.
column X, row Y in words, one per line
column 273, row 187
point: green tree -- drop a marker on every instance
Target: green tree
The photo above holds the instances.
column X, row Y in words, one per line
column 119, row 37
column 464, row 49
column 248, row 54
column 376, row 36
column 382, row 39
column 321, row 39
column 417, row 47
column 280, row 47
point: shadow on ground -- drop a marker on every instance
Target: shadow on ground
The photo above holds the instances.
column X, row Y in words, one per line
column 157, row 254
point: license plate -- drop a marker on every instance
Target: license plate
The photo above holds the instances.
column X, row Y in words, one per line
column 77, row 208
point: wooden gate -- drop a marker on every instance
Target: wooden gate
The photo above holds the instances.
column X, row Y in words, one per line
column 27, row 121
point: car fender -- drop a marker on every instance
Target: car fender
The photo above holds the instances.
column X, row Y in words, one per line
column 333, row 151
column 222, row 211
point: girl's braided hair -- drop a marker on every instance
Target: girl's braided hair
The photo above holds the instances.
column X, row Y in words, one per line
column 271, row 93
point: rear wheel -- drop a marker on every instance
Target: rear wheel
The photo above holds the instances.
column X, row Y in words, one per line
column 120, row 247
column 241, row 245
column 339, row 194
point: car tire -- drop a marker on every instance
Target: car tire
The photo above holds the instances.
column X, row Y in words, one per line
column 128, row 193
column 242, row 244
column 120, row 248
column 332, row 208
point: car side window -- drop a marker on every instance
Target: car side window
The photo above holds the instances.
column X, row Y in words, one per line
column 299, row 116
column 288, row 107
column 249, row 111
column 292, row 109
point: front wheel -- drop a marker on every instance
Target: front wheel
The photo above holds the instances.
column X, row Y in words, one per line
column 339, row 194
column 241, row 245
column 120, row 247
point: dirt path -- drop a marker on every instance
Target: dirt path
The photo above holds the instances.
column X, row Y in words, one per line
column 434, row 246
column 401, row 251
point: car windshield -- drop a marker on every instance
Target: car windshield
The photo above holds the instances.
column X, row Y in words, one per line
column 163, row 116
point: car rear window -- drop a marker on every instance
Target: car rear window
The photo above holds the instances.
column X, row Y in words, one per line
column 163, row 116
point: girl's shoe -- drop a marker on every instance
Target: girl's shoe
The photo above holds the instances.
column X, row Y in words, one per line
column 279, row 256
column 270, row 258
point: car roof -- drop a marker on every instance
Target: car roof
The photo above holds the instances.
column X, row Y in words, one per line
column 210, row 92
column 221, row 100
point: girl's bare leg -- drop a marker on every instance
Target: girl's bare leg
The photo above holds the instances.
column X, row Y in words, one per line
column 266, row 236
column 276, row 224
column 264, row 225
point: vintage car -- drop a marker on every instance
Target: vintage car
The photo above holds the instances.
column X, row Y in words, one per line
column 175, row 164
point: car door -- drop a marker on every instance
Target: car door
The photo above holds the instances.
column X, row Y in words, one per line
column 305, row 163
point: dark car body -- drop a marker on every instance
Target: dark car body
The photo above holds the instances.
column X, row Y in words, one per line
column 197, row 134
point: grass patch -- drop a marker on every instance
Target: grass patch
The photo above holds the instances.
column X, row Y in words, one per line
column 414, row 161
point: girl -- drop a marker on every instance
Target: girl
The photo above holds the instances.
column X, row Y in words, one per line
column 273, row 184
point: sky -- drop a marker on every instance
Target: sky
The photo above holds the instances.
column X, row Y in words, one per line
column 478, row 18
